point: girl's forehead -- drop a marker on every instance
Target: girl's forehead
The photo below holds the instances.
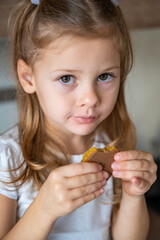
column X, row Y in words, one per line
column 67, row 42
column 78, row 52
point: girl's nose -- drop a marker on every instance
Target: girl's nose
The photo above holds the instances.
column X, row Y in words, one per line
column 89, row 97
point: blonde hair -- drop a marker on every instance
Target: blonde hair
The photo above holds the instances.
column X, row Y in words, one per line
column 31, row 29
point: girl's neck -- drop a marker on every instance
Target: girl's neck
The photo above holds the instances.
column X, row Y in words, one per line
column 75, row 144
column 79, row 145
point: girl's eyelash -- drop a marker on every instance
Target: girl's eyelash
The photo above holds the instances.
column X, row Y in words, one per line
column 105, row 77
column 67, row 79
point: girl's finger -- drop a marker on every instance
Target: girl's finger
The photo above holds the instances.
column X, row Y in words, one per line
column 85, row 179
column 132, row 154
column 131, row 165
column 86, row 190
column 128, row 175
column 87, row 198
column 142, row 185
column 78, row 169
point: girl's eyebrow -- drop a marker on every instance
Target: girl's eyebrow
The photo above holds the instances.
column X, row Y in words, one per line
column 77, row 70
column 66, row 70
column 111, row 68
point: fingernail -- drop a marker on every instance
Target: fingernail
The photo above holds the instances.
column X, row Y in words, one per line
column 117, row 157
column 106, row 175
column 116, row 173
column 101, row 190
column 115, row 165
column 100, row 167
column 104, row 182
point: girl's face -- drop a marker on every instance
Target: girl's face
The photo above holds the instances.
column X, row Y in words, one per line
column 77, row 82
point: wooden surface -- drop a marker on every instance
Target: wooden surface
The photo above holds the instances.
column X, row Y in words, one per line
column 138, row 13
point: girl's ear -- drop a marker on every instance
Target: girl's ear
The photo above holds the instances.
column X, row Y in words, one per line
column 25, row 76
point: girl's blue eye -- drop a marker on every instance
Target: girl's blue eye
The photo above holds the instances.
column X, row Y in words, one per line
column 105, row 77
column 67, row 79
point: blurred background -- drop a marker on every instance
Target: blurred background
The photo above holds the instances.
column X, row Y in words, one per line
column 142, row 88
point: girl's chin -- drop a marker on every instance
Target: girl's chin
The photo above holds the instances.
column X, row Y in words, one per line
column 83, row 131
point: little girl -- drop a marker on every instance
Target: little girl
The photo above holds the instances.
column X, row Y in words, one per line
column 71, row 59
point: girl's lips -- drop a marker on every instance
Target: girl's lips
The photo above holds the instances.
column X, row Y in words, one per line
column 85, row 119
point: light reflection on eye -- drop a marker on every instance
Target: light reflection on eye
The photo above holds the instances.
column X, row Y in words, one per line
column 67, row 79
column 105, row 77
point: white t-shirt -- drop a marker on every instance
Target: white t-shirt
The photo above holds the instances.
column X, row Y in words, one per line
column 89, row 222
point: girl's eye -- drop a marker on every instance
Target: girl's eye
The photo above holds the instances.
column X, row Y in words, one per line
column 105, row 77
column 67, row 79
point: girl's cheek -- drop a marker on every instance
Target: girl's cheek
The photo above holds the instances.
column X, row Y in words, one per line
column 61, row 88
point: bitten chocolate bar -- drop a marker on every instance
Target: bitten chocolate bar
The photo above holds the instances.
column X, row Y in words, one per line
column 104, row 156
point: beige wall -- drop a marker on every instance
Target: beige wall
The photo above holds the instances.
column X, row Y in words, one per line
column 143, row 87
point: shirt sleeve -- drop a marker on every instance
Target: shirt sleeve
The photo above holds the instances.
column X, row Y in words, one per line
column 8, row 159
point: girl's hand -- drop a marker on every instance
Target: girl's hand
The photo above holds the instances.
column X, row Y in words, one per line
column 137, row 170
column 69, row 187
